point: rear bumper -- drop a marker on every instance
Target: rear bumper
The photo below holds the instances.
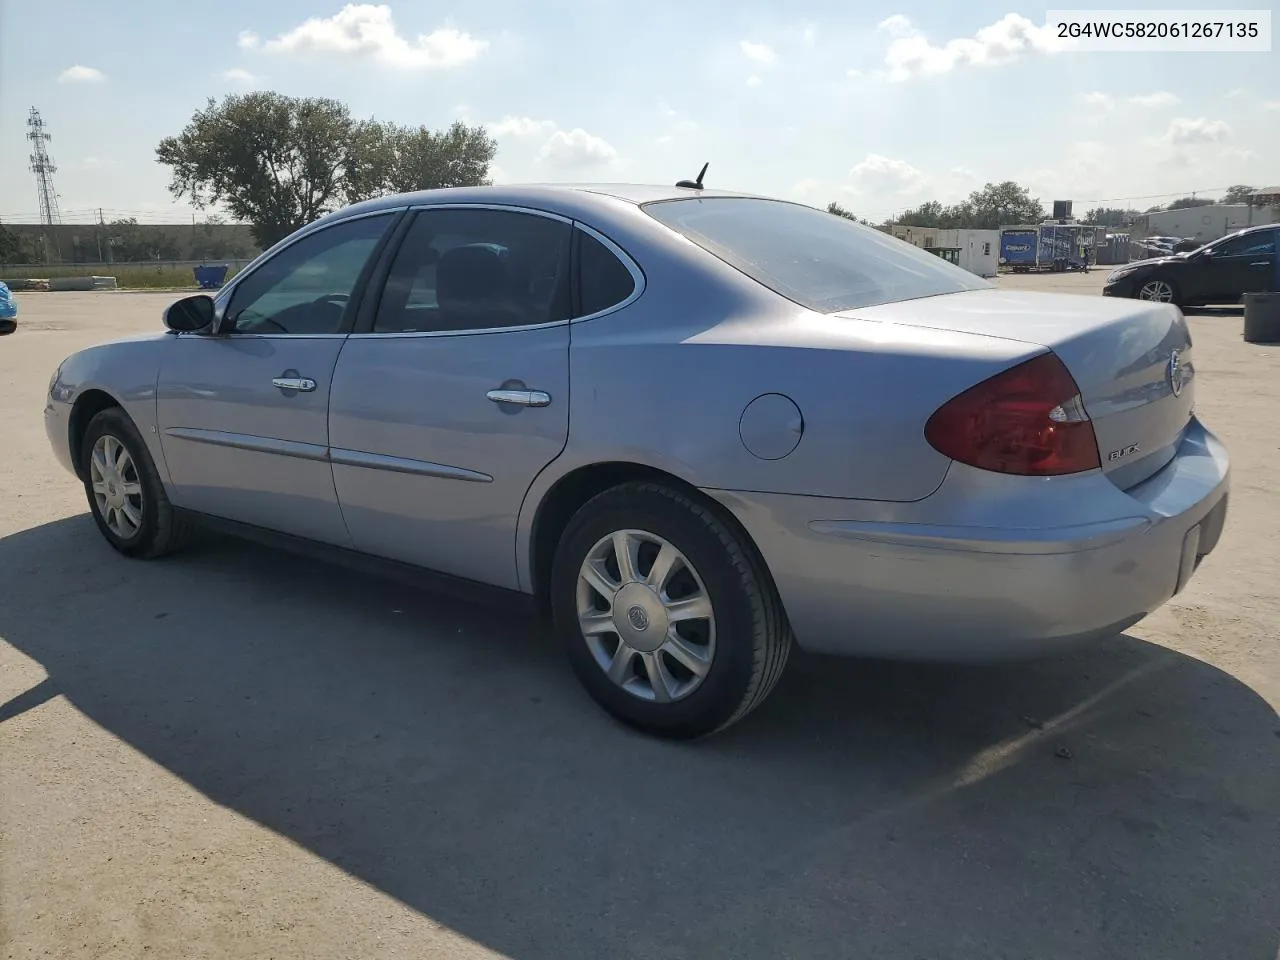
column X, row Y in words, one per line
column 989, row 567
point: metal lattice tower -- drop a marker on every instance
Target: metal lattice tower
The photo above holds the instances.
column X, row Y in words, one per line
column 43, row 167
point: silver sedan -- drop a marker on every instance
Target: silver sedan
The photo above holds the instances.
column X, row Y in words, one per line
column 693, row 427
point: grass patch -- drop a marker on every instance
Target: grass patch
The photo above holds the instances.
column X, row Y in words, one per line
column 130, row 276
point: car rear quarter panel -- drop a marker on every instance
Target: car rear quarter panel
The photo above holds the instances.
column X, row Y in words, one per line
column 664, row 383
column 667, row 379
column 126, row 371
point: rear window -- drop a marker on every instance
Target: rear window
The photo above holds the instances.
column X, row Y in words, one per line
column 814, row 258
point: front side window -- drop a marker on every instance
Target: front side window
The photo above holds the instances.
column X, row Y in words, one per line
column 1252, row 245
column 821, row 262
column 304, row 289
column 477, row 269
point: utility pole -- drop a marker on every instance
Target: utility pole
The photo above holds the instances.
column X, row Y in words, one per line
column 43, row 167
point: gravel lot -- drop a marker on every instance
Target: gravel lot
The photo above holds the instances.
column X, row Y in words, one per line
column 239, row 754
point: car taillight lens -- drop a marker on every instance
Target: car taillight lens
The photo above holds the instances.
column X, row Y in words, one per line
column 1028, row 420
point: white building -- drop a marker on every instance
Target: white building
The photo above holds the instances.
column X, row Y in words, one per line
column 978, row 251
column 1208, row 222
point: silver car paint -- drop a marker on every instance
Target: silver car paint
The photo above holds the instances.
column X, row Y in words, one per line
column 1118, row 351
column 985, row 568
column 239, row 447
column 126, row 371
column 869, row 533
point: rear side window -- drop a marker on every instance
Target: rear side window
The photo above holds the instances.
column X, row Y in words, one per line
column 603, row 280
column 820, row 261
column 477, row 269
column 1251, row 245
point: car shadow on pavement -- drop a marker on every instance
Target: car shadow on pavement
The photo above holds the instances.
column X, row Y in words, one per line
column 1226, row 311
column 1118, row 802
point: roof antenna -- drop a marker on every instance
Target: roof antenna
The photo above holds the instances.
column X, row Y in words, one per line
column 695, row 184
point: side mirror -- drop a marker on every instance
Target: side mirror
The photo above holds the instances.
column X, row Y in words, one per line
column 190, row 314
column 1206, row 254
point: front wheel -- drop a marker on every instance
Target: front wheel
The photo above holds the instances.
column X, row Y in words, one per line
column 1158, row 290
column 126, row 496
column 669, row 619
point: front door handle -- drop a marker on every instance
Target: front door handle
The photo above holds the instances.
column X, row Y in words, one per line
column 524, row 398
column 300, row 384
column 1260, row 263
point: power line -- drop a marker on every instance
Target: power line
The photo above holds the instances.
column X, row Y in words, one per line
column 1156, row 196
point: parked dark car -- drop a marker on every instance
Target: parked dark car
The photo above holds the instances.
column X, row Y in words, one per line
column 1219, row 272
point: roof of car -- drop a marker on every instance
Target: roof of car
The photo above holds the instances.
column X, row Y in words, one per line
column 544, row 194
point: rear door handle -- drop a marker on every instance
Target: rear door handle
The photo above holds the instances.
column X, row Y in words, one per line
column 524, row 398
column 300, row 384
column 1260, row 263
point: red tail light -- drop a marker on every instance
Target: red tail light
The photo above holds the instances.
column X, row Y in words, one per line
column 1029, row 421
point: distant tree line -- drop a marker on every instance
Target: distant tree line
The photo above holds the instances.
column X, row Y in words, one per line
column 125, row 241
column 1004, row 204
column 279, row 162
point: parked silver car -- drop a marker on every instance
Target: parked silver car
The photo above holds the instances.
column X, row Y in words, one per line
column 692, row 425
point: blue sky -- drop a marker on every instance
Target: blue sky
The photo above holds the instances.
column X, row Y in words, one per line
column 812, row 100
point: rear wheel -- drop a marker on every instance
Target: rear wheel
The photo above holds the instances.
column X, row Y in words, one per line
column 1158, row 290
column 669, row 619
column 126, row 496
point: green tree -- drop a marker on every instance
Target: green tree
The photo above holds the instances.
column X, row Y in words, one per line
column 280, row 162
column 387, row 158
column 277, row 162
column 1110, row 216
column 11, row 246
column 1002, row 204
column 1186, row 203
column 1240, row 193
column 839, row 211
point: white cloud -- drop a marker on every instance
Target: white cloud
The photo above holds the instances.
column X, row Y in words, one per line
column 1271, row 105
column 1235, row 153
column 809, row 34
column 577, row 148
column 911, row 54
column 248, row 40
column 853, row 72
column 806, row 189
column 879, row 175
column 497, row 174
column 239, row 76
column 81, row 74
column 1099, row 100
column 759, row 52
column 1235, row 92
column 1200, row 130
column 753, row 81
column 510, row 126
column 1161, row 98
column 367, row 30
column 896, row 26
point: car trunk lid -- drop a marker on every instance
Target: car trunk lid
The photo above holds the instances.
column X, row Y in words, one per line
column 1131, row 359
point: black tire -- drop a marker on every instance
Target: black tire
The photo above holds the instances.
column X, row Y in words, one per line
column 753, row 637
column 8, row 326
column 163, row 529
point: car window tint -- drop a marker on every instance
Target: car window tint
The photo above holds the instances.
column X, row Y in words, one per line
column 1253, row 245
column 477, row 269
column 818, row 260
column 305, row 287
column 603, row 280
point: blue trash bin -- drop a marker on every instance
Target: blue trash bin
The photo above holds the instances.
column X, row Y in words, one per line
column 211, row 277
